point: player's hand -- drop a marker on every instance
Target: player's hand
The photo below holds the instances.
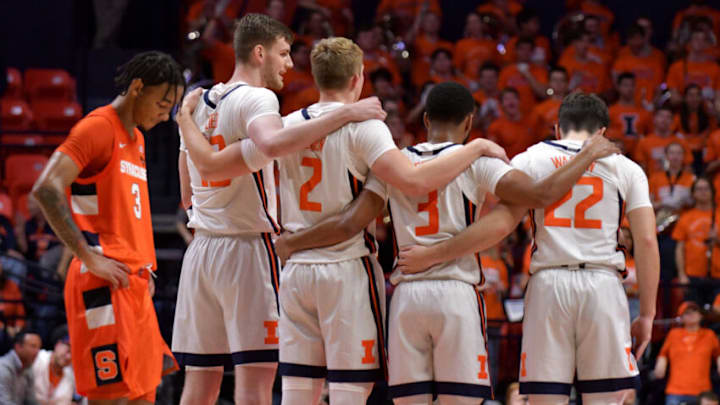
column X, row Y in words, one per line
column 114, row 272
column 282, row 249
column 414, row 259
column 189, row 103
column 366, row 109
column 151, row 285
column 683, row 279
column 489, row 148
column 599, row 146
column 641, row 331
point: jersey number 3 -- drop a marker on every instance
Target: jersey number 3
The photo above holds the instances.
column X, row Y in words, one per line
column 308, row 186
column 433, row 221
column 580, row 208
column 220, row 142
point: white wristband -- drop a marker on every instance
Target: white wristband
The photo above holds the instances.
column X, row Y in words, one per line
column 253, row 157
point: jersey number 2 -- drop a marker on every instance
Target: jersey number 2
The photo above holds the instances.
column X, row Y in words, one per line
column 433, row 221
column 308, row 186
column 580, row 209
column 220, row 142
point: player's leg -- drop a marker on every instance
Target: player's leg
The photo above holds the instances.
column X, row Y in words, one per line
column 254, row 383
column 202, row 385
column 606, row 367
column 547, row 361
column 200, row 339
column 422, row 399
column 349, row 305
column 460, row 357
column 301, row 390
column 302, row 357
column 548, row 399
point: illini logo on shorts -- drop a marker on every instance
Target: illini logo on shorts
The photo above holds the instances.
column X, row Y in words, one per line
column 98, row 308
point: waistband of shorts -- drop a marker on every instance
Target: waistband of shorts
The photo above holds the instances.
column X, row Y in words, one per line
column 249, row 235
column 579, row 266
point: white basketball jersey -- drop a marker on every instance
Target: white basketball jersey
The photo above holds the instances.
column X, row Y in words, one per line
column 320, row 181
column 442, row 213
column 245, row 204
column 582, row 227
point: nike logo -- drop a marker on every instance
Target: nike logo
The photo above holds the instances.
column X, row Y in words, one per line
column 122, row 145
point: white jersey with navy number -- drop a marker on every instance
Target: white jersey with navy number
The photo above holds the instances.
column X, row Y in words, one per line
column 442, row 213
column 245, row 204
column 321, row 180
column 582, row 227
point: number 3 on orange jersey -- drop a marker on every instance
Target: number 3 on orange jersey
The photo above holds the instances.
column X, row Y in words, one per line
column 308, row 186
column 580, row 208
column 433, row 221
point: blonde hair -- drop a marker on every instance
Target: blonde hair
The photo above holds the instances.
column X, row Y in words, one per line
column 334, row 61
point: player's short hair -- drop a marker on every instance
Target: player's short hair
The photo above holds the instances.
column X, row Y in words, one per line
column 334, row 61
column 624, row 76
column 449, row 102
column 257, row 29
column 583, row 112
column 153, row 68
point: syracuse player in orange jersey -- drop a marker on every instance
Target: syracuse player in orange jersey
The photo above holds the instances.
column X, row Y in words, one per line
column 118, row 353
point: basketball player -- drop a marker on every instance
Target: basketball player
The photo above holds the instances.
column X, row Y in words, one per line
column 118, row 353
column 576, row 312
column 416, row 370
column 227, row 314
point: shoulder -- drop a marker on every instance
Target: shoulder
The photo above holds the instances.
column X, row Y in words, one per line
column 371, row 125
column 92, row 124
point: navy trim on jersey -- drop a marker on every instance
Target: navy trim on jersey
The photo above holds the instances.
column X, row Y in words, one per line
column 410, row 389
column 260, row 184
column 430, row 152
column 231, row 90
column 206, row 98
column 301, row 370
column 558, row 145
column 620, row 247
column 274, row 266
column 305, row 113
column 608, row 385
column 356, row 187
column 393, row 235
column 470, row 212
column 464, row 390
column 550, row 388
column 376, row 308
column 340, row 376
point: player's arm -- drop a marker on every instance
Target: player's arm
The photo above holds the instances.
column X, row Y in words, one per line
column 184, row 175
column 394, row 168
column 238, row 159
column 516, row 187
column 680, row 262
column 333, row 229
column 49, row 191
column 481, row 235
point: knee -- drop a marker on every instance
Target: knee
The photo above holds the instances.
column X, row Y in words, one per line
column 604, row 398
column 350, row 393
column 458, row 400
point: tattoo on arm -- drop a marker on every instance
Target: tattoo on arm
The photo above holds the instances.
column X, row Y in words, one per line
column 57, row 212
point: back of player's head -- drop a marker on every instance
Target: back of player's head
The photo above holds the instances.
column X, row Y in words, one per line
column 449, row 102
column 334, row 61
column 582, row 112
column 257, row 29
column 153, row 68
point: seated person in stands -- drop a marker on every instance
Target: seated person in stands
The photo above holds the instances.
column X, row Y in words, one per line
column 37, row 240
column 54, row 382
column 12, row 310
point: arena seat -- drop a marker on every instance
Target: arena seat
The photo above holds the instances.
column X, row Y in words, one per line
column 6, row 207
column 22, row 139
column 14, row 84
column 21, row 171
column 56, row 115
column 15, row 115
column 49, row 84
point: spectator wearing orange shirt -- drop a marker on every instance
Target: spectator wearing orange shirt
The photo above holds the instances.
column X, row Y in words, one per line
column 405, row 11
column 314, row 27
column 697, row 255
column 503, row 10
column 694, row 121
column 512, row 131
column 529, row 27
column 298, row 78
column 650, row 150
column 644, row 61
column 545, row 114
column 496, row 283
column 670, row 188
column 600, row 43
column 694, row 69
column 441, row 70
column 697, row 8
column 396, row 124
column 712, row 159
column 628, row 120
column 369, row 39
column 690, row 352
column 488, row 95
column 12, row 310
column 427, row 40
column 586, row 71
column 475, row 48
column 529, row 79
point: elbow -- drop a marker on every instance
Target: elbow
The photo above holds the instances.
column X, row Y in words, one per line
column 348, row 227
column 537, row 199
column 415, row 188
column 270, row 149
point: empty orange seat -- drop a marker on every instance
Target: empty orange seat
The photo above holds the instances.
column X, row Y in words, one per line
column 21, row 171
column 14, row 83
column 45, row 84
column 15, row 115
column 22, row 139
column 56, row 115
